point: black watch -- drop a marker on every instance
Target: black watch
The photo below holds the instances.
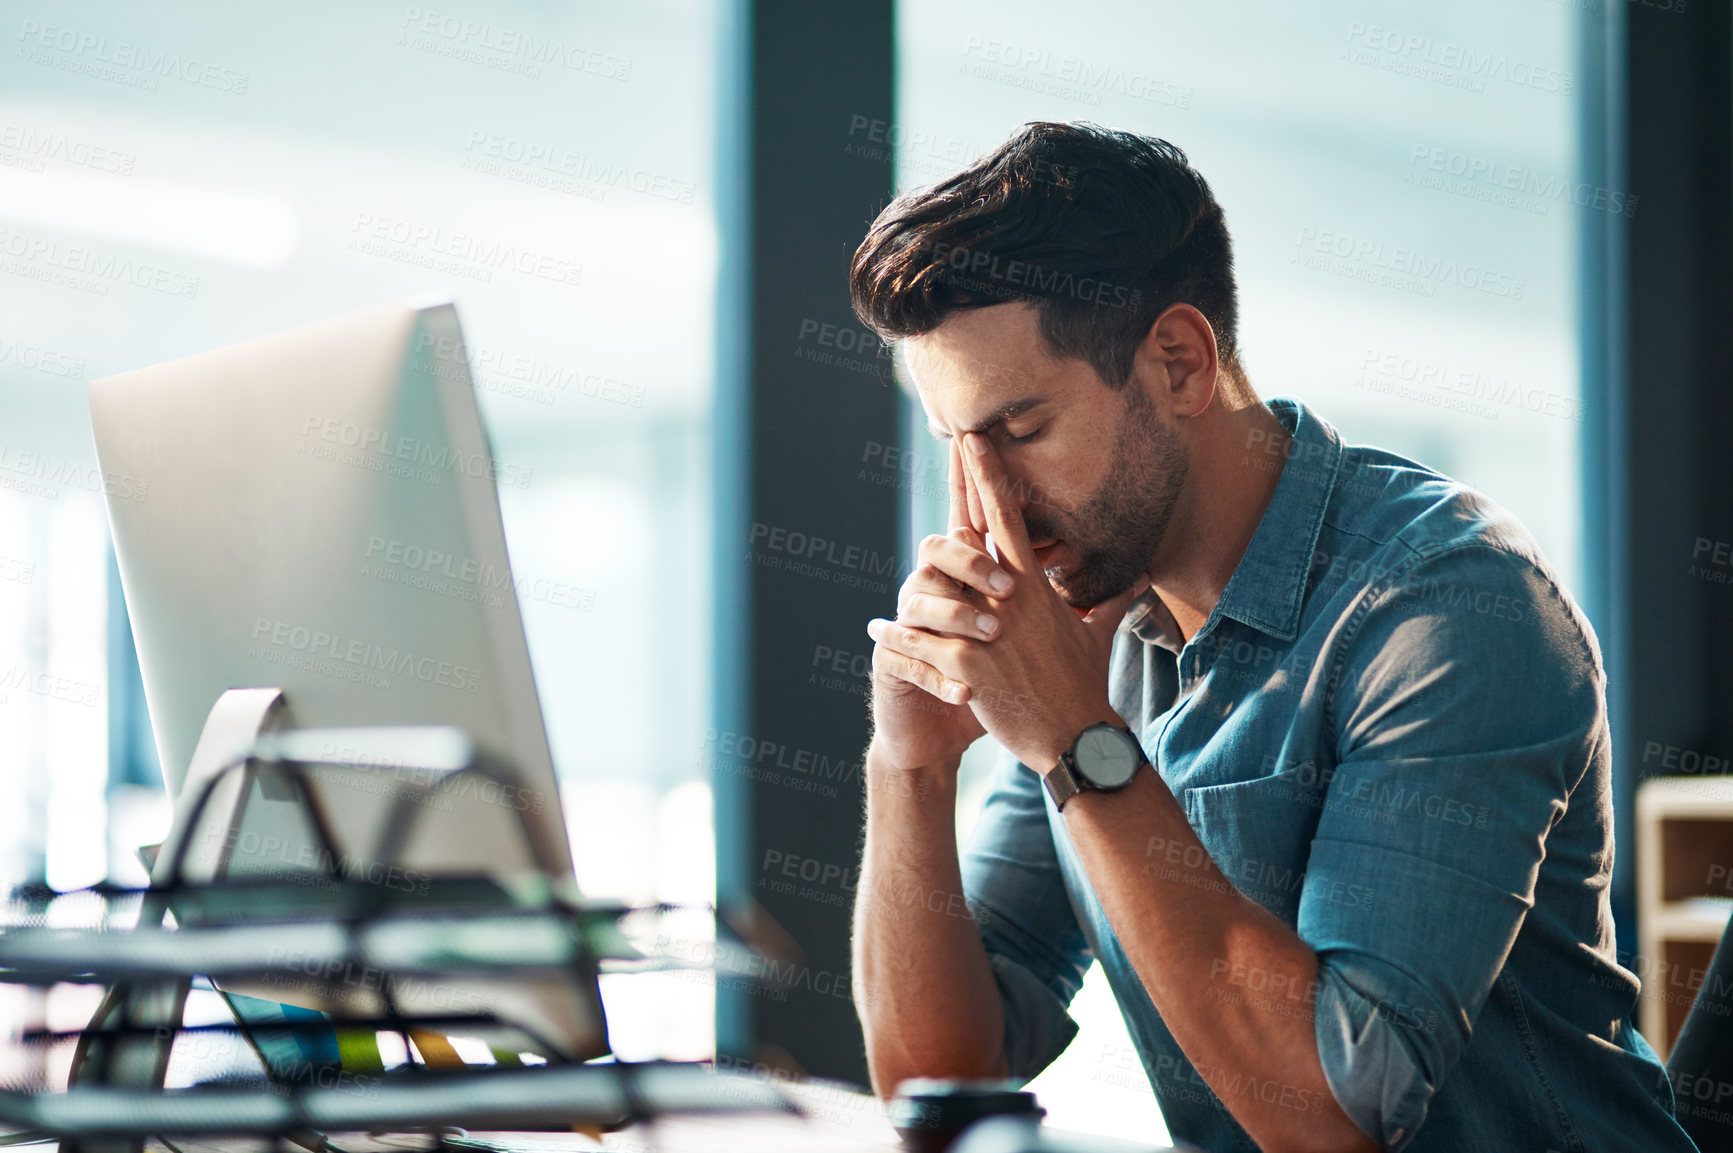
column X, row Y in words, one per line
column 1104, row 757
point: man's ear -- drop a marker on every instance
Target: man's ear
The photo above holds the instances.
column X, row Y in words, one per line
column 1179, row 359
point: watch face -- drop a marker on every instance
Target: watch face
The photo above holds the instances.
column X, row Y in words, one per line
column 1108, row 757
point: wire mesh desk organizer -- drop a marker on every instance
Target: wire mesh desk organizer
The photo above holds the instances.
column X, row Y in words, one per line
column 484, row 987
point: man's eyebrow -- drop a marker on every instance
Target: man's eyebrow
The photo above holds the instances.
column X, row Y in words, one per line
column 1003, row 413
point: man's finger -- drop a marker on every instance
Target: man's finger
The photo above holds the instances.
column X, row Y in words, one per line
column 970, row 500
column 959, row 515
column 890, row 665
column 946, row 616
column 957, row 566
column 926, row 647
column 1004, row 519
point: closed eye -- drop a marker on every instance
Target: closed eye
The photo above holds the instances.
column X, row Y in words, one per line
column 1026, row 438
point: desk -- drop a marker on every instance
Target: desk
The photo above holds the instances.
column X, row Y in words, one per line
column 838, row 1120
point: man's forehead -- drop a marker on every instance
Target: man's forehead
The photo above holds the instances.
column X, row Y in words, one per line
column 974, row 383
column 973, row 394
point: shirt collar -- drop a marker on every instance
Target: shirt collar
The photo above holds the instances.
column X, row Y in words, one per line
column 1268, row 588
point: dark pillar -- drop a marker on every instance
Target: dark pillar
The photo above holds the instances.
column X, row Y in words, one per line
column 1672, row 421
column 806, row 549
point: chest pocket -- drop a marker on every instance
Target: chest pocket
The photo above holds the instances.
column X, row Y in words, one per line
column 1259, row 833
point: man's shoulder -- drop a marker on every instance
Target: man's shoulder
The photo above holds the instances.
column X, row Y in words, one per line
column 1405, row 537
column 1390, row 516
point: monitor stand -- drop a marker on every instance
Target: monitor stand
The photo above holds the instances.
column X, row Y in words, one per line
column 238, row 719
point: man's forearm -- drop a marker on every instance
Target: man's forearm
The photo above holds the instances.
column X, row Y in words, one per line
column 925, row 992
column 1234, row 985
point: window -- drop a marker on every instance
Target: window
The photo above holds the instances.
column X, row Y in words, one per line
column 180, row 178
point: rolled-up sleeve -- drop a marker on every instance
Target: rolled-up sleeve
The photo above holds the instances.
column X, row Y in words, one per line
column 1467, row 707
column 1016, row 893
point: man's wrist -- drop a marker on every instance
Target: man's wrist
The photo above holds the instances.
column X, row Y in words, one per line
column 882, row 772
column 1064, row 736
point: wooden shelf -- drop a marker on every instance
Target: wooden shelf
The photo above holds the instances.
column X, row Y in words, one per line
column 1684, row 894
column 1696, row 797
column 1696, row 919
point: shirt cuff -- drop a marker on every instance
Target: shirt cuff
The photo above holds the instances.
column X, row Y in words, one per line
column 1037, row 1027
column 1368, row 1065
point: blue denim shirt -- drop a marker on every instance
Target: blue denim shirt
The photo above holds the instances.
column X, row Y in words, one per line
column 1391, row 732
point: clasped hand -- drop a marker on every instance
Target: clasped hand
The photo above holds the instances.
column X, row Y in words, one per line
column 984, row 645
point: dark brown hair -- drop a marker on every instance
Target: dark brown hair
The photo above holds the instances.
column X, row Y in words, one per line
column 1102, row 230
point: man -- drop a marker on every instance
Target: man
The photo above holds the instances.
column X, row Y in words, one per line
column 1360, row 900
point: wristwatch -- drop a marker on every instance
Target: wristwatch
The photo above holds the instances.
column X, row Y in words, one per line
column 1104, row 757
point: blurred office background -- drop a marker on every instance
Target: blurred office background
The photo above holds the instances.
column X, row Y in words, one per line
column 1429, row 205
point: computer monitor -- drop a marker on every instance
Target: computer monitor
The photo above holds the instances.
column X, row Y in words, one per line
column 316, row 511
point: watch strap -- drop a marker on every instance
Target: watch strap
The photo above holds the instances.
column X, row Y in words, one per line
column 1062, row 785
